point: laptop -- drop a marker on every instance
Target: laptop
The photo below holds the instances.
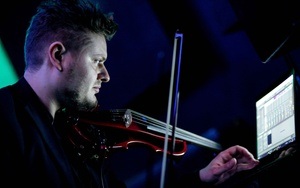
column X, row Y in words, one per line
column 276, row 120
column 277, row 129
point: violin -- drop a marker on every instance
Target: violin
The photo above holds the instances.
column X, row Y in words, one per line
column 98, row 133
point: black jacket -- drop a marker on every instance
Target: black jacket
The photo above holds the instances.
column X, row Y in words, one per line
column 31, row 149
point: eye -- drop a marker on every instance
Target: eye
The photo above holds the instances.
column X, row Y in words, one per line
column 99, row 61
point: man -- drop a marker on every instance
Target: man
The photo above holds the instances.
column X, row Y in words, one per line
column 65, row 51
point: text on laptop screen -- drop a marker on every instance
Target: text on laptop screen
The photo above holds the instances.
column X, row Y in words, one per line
column 275, row 118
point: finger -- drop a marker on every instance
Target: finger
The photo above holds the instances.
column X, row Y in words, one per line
column 239, row 151
column 228, row 166
column 246, row 166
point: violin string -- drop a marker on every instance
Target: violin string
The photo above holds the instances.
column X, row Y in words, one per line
column 159, row 126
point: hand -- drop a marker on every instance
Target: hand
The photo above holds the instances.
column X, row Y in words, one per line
column 226, row 164
column 289, row 151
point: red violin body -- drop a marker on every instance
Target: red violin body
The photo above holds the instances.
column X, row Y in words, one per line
column 100, row 132
column 97, row 133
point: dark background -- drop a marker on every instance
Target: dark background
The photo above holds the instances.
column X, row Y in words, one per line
column 228, row 60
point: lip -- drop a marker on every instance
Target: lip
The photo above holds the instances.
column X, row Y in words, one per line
column 97, row 88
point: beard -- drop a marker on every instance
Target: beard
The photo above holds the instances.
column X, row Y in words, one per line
column 77, row 101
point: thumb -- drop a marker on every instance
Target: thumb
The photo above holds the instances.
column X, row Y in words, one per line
column 227, row 171
column 229, row 165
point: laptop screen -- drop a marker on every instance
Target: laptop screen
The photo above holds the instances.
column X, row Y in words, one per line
column 275, row 118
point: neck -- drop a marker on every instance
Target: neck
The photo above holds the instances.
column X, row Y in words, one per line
column 43, row 91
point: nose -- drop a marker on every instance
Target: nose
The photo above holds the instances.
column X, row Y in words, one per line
column 103, row 75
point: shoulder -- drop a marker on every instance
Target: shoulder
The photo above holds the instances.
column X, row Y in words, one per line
column 6, row 98
column 9, row 107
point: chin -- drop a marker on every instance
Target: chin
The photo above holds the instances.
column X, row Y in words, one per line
column 93, row 103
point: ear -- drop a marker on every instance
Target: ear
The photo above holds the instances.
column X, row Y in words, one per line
column 56, row 51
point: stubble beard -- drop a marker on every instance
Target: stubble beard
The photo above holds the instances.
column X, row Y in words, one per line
column 72, row 100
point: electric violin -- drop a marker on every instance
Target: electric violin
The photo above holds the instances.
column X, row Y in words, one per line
column 98, row 133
